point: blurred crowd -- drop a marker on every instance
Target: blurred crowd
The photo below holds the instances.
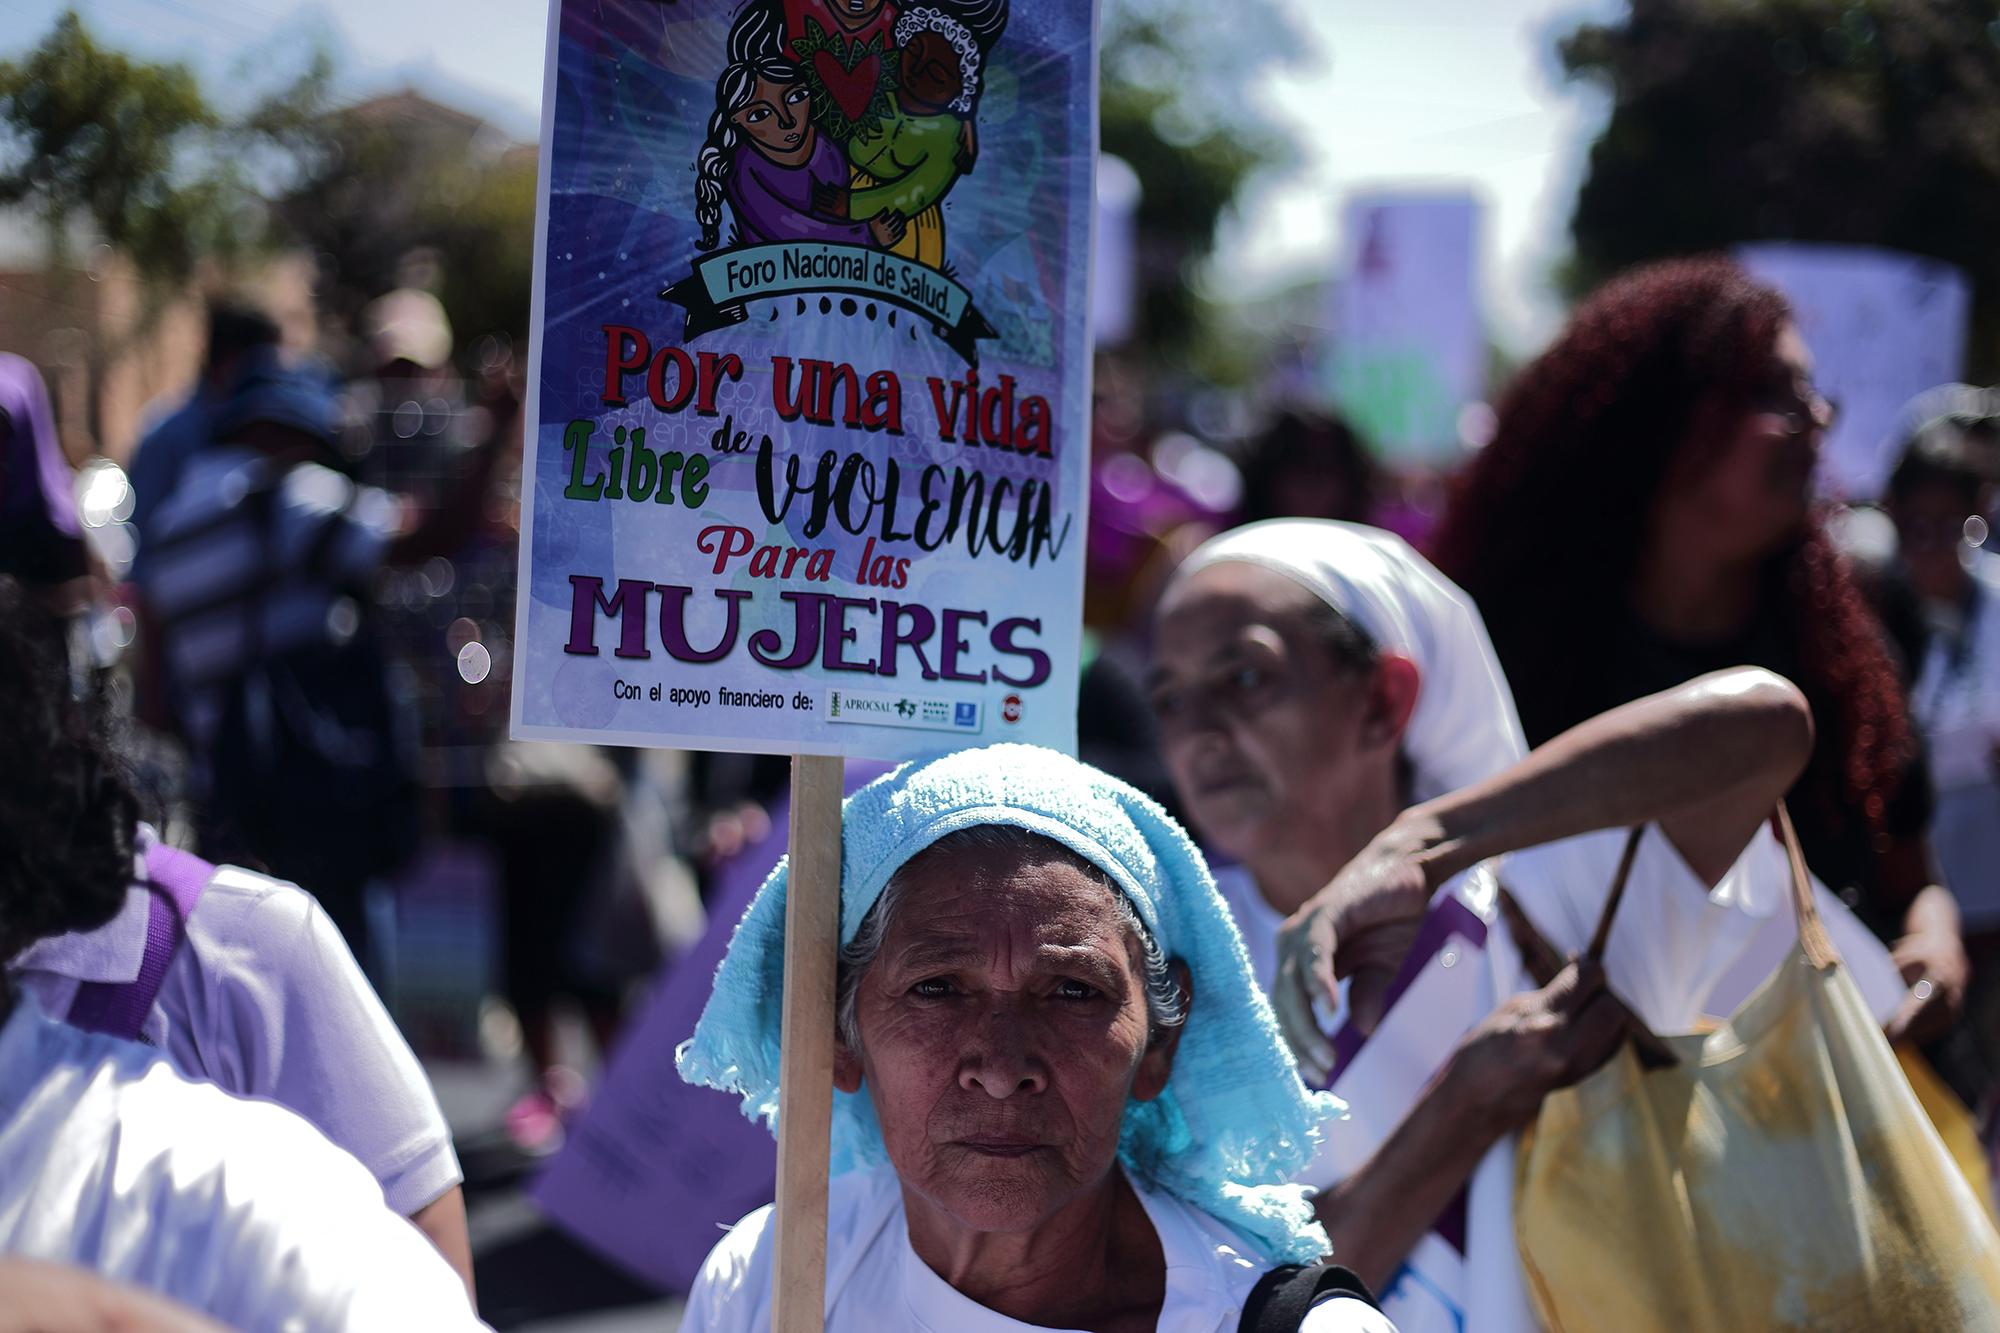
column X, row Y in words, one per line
column 292, row 610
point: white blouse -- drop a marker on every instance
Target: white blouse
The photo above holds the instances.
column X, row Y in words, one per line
column 112, row 1161
column 875, row 1282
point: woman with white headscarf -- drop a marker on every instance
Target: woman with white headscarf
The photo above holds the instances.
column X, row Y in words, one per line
column 1331, row 710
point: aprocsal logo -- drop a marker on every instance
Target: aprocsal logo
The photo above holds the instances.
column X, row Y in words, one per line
column 965, row 715
column 1010, row 708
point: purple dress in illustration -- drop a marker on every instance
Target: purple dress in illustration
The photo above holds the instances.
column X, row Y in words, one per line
column 774, row 202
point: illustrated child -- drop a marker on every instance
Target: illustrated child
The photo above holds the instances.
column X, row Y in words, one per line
column 907, row 159
column 764, row 155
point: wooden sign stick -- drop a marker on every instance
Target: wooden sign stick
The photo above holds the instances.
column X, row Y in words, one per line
column 805, row 1067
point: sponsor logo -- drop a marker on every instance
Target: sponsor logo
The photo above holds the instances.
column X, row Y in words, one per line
column 875, row 708
column 1010, row 708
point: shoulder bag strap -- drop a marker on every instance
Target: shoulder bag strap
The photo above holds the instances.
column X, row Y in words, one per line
column 1282, row 1297
column 1814, row 942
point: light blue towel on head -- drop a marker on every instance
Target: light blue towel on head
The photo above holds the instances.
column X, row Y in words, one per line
column 1234, row 1125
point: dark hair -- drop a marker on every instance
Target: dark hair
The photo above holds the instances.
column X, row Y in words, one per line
column 67, row 817
column 756, row 51
column 1351, row 647
column 1938, row 454
column 234, row 328
column 1306, row 440
column 1549, row 522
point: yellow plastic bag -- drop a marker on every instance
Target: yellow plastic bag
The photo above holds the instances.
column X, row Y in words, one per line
column 1781, row 1177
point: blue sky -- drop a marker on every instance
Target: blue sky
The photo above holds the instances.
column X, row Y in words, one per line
column 1414, row 93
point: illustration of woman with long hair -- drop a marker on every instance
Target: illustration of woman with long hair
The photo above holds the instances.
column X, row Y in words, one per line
column 765, row 157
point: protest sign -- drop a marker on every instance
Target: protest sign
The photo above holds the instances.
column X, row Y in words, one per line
column 1883, row 327
column 1408, row 352
column 806, row 456
column 806, row 460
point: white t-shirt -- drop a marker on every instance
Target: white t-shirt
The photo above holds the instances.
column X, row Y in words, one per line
column 110, row 1160
column 876, row 1282
column 264, row 999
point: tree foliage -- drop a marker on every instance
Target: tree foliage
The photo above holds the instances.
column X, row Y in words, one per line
column 97, row 138
column 1174, row 101
column 1875, row 122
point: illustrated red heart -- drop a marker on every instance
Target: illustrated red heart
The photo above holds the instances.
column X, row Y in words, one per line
column 850, row 89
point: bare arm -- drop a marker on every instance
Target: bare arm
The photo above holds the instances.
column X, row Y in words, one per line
column 37, row 1297
column 443, row 1221
column 1706, row 760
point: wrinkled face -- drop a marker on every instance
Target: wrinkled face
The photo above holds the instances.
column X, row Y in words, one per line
column 1751, row 487
column 1930, row 530
column 930, row 73
column 777, row 122
column 1003, row 1028
column 1263, row 731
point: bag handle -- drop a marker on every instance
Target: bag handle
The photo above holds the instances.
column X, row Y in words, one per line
column 1602, row 935
column 1814, row 942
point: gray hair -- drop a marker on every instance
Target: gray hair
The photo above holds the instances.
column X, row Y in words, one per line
column 1166, row 1002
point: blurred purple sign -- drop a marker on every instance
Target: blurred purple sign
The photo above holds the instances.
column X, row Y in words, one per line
column 1408, row 353
column 655, row 1168
column 1883, row 327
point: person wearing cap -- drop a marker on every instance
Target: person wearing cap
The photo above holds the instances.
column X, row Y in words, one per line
column 266, row 549
column 239, row 337
column 114, row 1160
column 1334, row 718
column 1061, row 1101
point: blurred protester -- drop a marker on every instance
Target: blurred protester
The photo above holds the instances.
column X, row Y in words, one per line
column 1313, row 680
column 238, row 335
column 553, row 821
column 1644, row 514
column 1308, row 464
column 255, row 991
column 256, row 582
column 1935, row 497
column 110, row 1159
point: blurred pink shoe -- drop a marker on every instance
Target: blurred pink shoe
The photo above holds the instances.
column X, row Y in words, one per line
column 535, row 1122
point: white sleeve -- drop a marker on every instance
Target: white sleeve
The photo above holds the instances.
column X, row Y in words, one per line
column 250, row 1216
column 305, row 1029
column 1340, row 1312
column 734, row 1284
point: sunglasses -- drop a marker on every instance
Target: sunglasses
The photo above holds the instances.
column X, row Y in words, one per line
column 1802, row 406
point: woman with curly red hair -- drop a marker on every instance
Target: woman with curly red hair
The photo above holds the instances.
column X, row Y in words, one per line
column 1644, row 514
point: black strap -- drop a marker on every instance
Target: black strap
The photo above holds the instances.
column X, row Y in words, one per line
column 1282, row 1297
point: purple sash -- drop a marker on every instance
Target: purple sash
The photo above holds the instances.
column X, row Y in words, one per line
column 174, row 880
column 1447, row 919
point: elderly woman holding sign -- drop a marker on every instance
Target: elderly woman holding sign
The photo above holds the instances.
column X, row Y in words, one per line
column 1062, row 1101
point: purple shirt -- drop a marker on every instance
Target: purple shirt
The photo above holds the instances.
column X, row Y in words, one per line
column 774, row 203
